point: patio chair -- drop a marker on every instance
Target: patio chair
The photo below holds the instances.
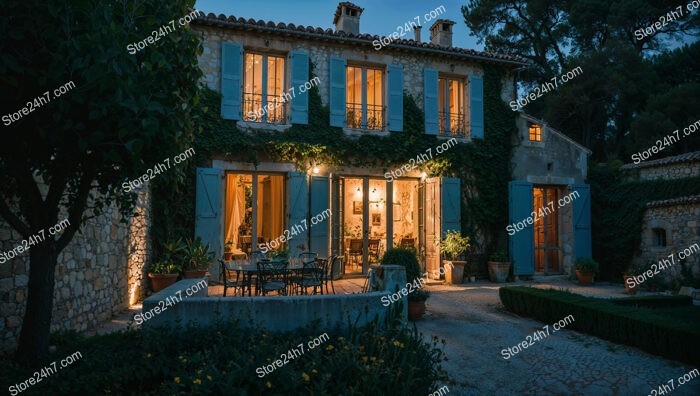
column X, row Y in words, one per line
column 233, row 279
column 334, row 262
column 355, row 250
column 312, row 275
column 272, row 276
column 308, row 257
column 373, row 249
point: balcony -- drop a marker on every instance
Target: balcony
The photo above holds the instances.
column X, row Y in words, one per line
column 274, row 111
column 452, row 124
column 375, row 116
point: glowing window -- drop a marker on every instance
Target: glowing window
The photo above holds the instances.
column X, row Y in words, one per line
column 535, row 132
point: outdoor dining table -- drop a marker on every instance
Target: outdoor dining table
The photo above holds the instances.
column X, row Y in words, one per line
column 249, row 267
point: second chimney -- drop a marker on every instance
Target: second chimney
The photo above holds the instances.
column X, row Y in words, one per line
column 441, row 32
column 416, row 33
column 347, row 17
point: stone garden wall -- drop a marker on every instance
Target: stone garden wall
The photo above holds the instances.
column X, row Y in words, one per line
column 99, row 274
column 669, row 172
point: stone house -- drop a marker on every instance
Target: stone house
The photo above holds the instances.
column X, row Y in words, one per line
column 670, row 226
column 255, row 65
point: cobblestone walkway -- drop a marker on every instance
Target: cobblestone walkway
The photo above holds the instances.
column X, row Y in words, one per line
column 476, row 327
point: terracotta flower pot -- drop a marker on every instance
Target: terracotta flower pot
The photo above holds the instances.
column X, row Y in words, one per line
column 454, row 274
column 416, row 309
column 499, row 271
column 630, row 289
column 228, row 256
column 195, row 273
column 584, row 278
column 161, row 281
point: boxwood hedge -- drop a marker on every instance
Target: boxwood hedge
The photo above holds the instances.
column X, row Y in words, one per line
column 645, row 328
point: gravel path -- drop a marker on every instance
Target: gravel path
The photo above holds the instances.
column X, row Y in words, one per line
column 472, row 320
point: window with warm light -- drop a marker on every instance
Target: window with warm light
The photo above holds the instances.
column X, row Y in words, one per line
column 451, row 107
column 535, row 132
column 263, row 89
column 365, row 98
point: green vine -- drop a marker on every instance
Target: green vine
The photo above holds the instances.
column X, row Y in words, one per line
column 483, row 166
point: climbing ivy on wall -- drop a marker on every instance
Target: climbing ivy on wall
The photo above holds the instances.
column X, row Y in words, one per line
column 617, row 209
column 483, row 166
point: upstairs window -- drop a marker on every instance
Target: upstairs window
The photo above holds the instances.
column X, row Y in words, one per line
column 451, row 107
column 535, row 132
column 263, row 89
column 365, row 98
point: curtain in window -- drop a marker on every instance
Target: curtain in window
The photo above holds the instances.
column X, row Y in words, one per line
column 235, row 208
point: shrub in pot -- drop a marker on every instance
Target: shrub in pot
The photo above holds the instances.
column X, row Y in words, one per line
column 228, row 251
column 163, row 274
column 585, row 269
column 453, row 246
column 499, row 267
column 197, row 258
column 407, row 258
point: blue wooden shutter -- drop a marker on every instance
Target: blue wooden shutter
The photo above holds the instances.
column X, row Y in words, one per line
column 297, row 210
column 582, row 221
column 450, row 204
column 430, row 100
column 231, row 71
column 476, row 108
column 300, row 76
column 395, row 98
column 208, row 223
column 337, row 91
column 320, row 203
column 522, row 243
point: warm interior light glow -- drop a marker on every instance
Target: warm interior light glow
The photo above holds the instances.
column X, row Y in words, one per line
column 315, row 170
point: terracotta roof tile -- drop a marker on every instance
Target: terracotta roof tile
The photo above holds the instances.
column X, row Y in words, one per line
column 687, row 157
column 690, row 199
column 316, row 32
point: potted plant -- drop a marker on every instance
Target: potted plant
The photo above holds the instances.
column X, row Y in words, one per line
column 198, row 258
column 499, row 267
column 165, row 271
column 407, row 258
column 163, row 274
column 228, row 251
column 585, row 269
column 279, row 254
column 453, row 246
column 416, row 304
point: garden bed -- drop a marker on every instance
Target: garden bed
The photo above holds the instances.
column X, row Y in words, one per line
column 670, row 332
column 368, row 360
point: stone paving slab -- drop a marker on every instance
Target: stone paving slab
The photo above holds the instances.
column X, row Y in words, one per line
column 476, row 327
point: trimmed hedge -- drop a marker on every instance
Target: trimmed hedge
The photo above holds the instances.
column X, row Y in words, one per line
column 655, row 301
column 644, row 328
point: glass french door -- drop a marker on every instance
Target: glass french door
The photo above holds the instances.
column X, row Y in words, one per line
column 546, row 229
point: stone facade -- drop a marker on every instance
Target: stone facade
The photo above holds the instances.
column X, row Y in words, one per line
column 680, row 219
column 319, row 54
column 669, row 172
column 99, row 273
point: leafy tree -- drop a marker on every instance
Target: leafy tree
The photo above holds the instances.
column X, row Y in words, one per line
column 69, row 157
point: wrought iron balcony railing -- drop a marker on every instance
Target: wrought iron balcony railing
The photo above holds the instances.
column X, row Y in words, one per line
column 274, row 110
column 452, row 124
column 375, row 116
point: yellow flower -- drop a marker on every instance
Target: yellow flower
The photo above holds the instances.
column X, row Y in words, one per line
column 373, row 358
column 398, row 344
column 329, row 348
column 197, row 381
column 177, row 380
column 268, row 384
column 209, row 377
column 364, row 358
column 148, row 355
column 314, row 371
column 305, row 376
column 199, row 371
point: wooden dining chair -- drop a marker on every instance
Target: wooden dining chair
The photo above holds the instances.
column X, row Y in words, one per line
column 355, row 250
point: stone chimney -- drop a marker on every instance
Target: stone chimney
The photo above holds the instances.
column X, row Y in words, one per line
column 416, row 33
column 441, row 32
column 347, row 18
